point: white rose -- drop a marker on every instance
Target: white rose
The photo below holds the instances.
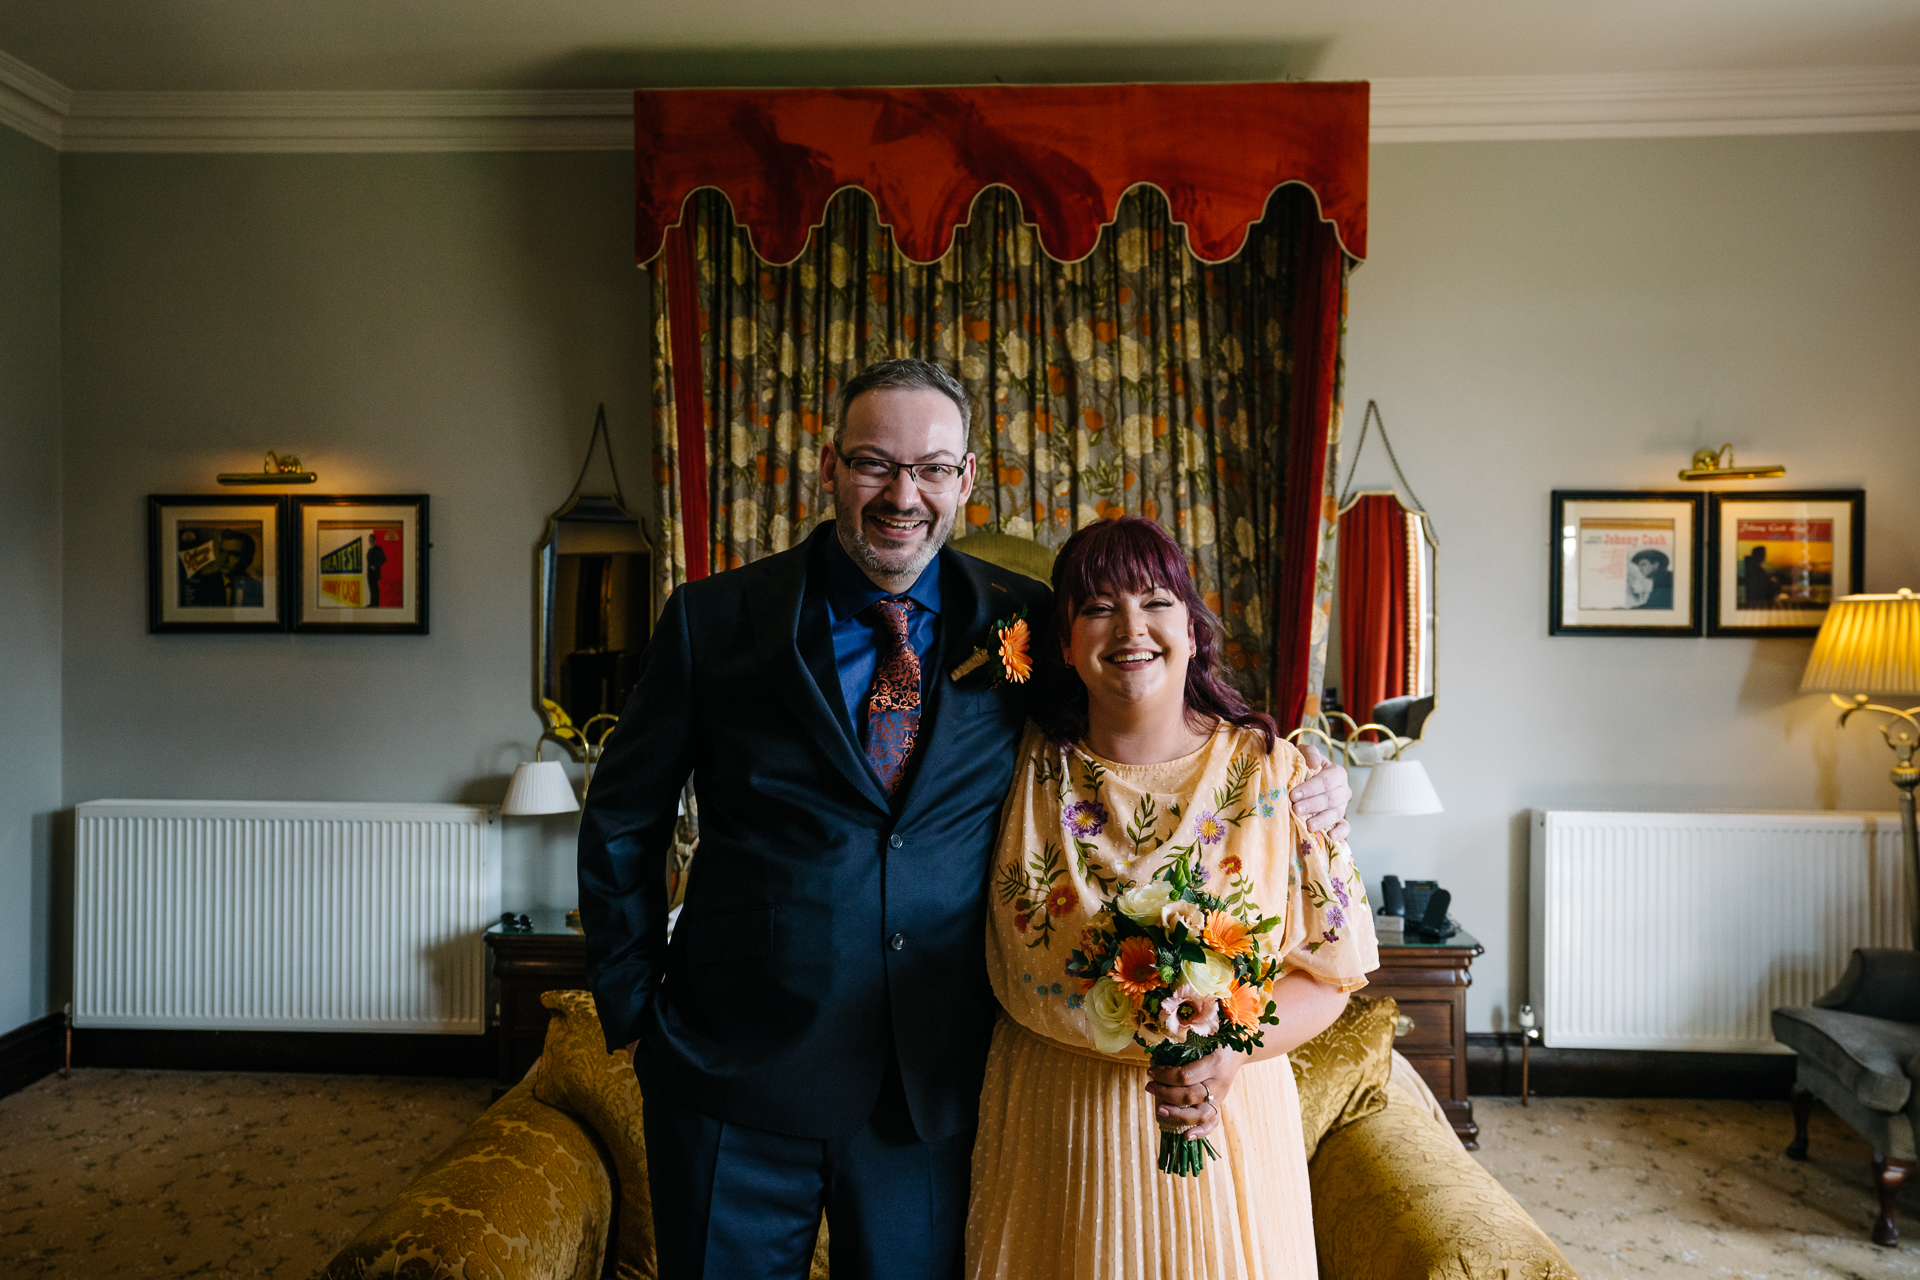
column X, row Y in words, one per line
column 1109, row 1016
column 1210, row 977
column 1183, row 913
column 1144, row 902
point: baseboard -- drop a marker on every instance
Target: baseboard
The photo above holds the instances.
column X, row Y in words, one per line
column 31, row 1051
column 1493, row 1068
column 324, row 1053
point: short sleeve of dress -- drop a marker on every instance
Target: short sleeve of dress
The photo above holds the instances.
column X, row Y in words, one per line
column 1329, row 932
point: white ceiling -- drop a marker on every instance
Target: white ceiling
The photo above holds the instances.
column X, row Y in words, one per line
column 120, row 45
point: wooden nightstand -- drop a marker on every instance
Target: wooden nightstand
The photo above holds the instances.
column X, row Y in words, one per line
column 551, row 958
column 1429, row 981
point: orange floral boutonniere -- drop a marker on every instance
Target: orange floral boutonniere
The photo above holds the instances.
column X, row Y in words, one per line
column 1010, row 658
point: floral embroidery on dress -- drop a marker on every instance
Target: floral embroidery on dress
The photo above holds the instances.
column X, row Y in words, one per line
column 1085, row 819
column 1037, row 893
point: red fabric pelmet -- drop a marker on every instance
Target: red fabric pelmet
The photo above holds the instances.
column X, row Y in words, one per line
column 1068, row 152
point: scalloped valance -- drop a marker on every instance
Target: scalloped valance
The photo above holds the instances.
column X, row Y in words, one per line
column 1217, row 152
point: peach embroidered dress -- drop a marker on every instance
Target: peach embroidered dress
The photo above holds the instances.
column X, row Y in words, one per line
column 1064, row 1183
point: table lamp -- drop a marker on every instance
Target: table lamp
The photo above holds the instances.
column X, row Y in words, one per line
column 1399, row 788
column 1867, row 645
column 539, row 786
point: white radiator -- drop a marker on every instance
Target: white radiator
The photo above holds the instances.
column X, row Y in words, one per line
column 284, row 917
column 1685, row 930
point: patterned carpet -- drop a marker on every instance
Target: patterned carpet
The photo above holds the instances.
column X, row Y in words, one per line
column 164, row 1173
column 154, row 1173
column 1634, row 1187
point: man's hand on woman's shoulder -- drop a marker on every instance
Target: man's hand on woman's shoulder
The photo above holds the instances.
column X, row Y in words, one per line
column 1322, row 800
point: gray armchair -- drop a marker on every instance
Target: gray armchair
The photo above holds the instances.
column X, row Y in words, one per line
column 1859, row 1048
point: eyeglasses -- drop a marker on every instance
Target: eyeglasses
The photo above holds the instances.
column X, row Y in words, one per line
column 931, row 477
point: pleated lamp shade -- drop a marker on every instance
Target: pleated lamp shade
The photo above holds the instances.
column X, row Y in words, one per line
column 1399, row 787
column 1868, row 644
column 539, row 786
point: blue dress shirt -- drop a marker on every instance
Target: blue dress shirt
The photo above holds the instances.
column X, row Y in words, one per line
column 856, row 642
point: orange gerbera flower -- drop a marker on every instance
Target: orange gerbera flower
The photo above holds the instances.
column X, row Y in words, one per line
column 1243, row 1004
column 1137, row 971
column 1226, row 935
column 1014, row 653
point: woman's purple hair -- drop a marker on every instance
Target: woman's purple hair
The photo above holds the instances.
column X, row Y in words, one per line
column 1132, row 553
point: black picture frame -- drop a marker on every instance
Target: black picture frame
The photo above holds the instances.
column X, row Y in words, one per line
column 1728, row 584
column 1674, row 521
column 322, row 571
column 188, row 563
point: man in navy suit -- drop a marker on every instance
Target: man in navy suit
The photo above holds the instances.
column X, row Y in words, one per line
column 814, row 1036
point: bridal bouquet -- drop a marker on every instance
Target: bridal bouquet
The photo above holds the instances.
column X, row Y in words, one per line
column 1178, row 971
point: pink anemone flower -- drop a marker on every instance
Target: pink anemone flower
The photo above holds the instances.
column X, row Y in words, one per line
column 1187, row 1012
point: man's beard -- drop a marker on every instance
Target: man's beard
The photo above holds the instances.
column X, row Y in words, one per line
column 853, row 537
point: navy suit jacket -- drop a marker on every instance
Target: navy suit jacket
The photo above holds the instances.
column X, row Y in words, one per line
column 826, row 928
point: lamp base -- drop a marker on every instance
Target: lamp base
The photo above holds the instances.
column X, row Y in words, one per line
column 1906, row 775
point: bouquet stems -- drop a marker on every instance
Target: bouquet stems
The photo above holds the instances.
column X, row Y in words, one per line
column 1182, row 1156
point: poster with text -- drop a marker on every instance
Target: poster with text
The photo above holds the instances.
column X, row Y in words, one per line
column 1625, row 564
column 1779, row 559
column 362, row 564
column 213, row 563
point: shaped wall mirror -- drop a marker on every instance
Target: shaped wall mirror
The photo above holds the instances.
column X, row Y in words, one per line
column 1380, row 653
column 593, row 613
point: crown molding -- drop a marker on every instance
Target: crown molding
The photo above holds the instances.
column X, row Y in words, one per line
column 33, row 103
column 296, row 120
column 1411, row 109
column 1646, row 104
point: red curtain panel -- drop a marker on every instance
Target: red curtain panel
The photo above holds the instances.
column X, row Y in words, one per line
column 1373, row 603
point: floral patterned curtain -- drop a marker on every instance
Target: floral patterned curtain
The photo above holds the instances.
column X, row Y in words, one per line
column 1137, row 380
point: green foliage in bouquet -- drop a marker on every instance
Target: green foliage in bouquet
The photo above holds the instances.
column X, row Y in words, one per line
column 1179, row 971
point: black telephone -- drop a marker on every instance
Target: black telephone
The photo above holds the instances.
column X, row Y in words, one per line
column 1424, row 904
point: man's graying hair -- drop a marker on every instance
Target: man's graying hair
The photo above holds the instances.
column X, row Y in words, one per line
column 907, row 375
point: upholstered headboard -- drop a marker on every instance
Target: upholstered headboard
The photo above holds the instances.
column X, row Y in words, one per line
column 1016, row 555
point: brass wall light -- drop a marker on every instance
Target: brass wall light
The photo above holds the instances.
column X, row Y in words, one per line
column 275, row 470
column 1708, row 465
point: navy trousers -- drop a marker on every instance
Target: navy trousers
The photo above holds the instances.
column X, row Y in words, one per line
column 730, row 1201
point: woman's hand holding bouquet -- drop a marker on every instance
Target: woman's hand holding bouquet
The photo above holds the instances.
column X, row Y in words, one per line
column 1181, row 973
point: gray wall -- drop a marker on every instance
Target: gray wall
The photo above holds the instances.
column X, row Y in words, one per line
column 1534, row 315
column 29, row 565
column 427, row 323
column 1537, row 316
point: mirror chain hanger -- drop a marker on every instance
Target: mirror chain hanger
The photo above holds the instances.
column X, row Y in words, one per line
column 600, row 436
column 1371, row 416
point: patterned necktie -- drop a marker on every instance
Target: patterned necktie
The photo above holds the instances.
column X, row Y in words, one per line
column 893, row 704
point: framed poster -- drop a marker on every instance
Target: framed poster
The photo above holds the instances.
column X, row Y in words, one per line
column 360, row 564
column 1777, row 558
column 214, row 562
column 1625, row 563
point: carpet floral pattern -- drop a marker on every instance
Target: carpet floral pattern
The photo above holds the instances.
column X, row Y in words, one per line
column 1631, row 1187
column 164, row 1173
column 159, row 1173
